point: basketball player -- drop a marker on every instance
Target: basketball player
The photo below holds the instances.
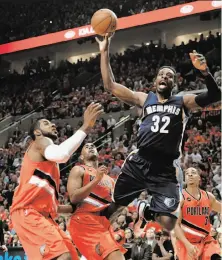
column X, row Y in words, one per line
column 90, row 188
column 193, row 226
column 35, row 202
column 159, row 139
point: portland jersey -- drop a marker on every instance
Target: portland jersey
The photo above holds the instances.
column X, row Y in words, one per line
column 162, row 126
column 101, row 195
column 195, row 221
column 38, row 187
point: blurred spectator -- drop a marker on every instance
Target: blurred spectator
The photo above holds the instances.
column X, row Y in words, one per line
column 164, row 247
column 140, row 250
column 150, row 238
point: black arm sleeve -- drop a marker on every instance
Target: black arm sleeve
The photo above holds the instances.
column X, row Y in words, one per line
column 213, row 93
column 2, row 242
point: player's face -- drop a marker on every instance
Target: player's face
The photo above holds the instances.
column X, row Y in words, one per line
column 165, row 81
column 192, row 177
column 89, row 152
column 48, row 129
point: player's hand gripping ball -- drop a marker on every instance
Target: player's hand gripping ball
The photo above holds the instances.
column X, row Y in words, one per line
column 104, row 21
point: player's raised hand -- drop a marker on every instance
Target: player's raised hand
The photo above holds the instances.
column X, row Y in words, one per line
column 199, row 61
column 104, row 44
column 92, row 112
column 101, row 172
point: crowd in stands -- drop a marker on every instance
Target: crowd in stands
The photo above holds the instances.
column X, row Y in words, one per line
column 135, row 69
column 39, row 18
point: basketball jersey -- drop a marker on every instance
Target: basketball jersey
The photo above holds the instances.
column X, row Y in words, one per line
column 195, row 222
column 38, row 187
column 162, row 126
column 101, row 195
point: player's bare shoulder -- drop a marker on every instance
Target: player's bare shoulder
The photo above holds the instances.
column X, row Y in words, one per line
column 140, row 98
column 76, row 172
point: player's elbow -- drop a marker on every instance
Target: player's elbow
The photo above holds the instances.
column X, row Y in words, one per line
column 108, row 85
column 56, row 154
column 74, row 198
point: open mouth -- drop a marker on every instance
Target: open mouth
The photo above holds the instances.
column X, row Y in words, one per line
column 163, row 83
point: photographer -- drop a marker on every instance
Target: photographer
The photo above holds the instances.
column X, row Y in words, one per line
column 164, row 248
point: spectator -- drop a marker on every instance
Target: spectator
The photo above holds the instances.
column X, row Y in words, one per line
column 164, row 247
column 140, row 250
column 111, row 121
column 150, row 238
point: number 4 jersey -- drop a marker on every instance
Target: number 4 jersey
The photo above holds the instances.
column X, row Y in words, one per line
column 163, row 125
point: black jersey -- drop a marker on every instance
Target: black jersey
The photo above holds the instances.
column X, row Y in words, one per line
column 162, row 127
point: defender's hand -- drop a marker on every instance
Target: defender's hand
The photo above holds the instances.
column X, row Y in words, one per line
column 91, row 114
column 101, row 172
column 199, row 62
column 192, row 251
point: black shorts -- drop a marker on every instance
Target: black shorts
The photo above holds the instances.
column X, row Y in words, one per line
column 158, row 177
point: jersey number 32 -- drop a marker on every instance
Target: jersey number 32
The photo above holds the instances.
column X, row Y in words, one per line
column 156, row 124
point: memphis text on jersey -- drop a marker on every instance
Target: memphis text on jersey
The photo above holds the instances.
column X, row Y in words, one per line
column 162, row 108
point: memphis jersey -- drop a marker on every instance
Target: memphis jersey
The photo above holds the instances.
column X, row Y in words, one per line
column 162, row 126
column 101, row 195
column 38, row 187
column 195, row 216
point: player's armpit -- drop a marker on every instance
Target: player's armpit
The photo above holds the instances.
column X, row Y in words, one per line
column 189, row 101
column 128, row 96
column 215, row 204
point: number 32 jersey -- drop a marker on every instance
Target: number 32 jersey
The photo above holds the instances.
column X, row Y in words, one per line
column 162, row 127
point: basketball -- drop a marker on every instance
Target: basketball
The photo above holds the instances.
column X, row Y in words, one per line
column 104, row 21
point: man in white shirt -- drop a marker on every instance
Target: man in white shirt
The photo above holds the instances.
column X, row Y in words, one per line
column 196, row 157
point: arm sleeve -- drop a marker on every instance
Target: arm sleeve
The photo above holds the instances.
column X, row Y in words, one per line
column 213, row 93
column 2, row 242
column 61, row 153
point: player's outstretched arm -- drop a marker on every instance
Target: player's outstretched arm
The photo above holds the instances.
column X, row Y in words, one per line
column 61, row 153
column 126, row 95
column 215, row 204
column 213, row 93
column 77, row 192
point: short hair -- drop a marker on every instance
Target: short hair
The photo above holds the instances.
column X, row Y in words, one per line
column 34, row 126
column 167, row 67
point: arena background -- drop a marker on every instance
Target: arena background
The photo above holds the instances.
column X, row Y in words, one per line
column 49, row 72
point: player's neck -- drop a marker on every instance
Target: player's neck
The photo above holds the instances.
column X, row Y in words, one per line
column 193, row 190
column 163, row 98
column 93, row 164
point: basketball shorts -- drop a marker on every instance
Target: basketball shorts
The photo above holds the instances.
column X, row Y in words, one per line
column 41, row 237
column 206, row 249
column 158, row 177
column 92, row 236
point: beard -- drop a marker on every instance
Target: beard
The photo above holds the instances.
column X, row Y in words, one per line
column 51, row 136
